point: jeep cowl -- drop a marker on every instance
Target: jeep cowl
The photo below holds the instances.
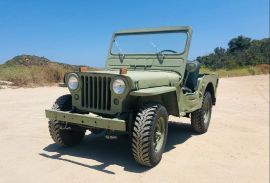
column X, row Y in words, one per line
column 147, row 77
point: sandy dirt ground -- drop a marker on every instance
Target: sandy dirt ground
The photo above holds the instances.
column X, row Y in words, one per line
column 235, row 149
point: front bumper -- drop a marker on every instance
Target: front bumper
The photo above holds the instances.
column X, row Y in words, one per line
column 87, row 120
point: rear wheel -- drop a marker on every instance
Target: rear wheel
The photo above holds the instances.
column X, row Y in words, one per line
column 200, row 119
column 150, row 134
column 58, row 129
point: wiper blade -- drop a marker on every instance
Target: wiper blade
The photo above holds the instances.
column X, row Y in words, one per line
column 119, row 49
column 159, row 52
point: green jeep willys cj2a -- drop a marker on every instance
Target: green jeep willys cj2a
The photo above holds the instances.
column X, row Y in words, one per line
column 147, row 78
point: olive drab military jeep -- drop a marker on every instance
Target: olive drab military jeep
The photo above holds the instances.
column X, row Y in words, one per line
column 147, row 78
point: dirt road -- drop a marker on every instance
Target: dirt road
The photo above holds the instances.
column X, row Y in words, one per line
column 235, row 149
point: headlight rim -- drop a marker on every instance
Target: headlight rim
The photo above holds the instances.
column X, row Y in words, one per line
column 125, row 82
column 77, row 77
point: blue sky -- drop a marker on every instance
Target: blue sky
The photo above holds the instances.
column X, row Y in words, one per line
column 79, row 32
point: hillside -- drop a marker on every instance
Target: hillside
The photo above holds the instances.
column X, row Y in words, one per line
column 32, row 60
column 31, row 70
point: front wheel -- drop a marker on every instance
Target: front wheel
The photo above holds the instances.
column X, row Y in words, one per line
column 65, row 137
column 150, row 134
column 58, row 131
column 200, row 119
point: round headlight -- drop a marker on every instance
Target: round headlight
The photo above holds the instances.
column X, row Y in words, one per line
column 73, row 82
column 119, row 86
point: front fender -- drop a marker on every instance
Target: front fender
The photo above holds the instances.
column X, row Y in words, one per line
column 153, row 91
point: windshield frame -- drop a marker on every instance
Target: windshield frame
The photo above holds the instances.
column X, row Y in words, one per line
column 149, row 33
column 186, row 30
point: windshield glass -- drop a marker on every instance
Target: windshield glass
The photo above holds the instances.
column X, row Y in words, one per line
column 150, row 43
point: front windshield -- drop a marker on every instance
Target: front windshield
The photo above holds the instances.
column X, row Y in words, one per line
column 150, row 43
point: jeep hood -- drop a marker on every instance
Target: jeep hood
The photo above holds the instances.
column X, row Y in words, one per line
column 146, row 79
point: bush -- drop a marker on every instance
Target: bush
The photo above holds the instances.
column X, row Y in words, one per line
column 242, row 52
column 264, row 68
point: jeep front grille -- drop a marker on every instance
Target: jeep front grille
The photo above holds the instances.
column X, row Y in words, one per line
column 96, row 92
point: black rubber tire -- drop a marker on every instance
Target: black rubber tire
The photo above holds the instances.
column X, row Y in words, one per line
column 61, row 136
column 197, row 117
column 63, row 103
column 143, row 134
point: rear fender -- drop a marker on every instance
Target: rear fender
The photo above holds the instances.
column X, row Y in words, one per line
column 189, row 102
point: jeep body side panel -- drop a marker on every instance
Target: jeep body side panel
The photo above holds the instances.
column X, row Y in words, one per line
column 189, row 102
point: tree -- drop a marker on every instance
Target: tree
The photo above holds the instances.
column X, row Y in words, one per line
column 219, row 50
column 239, row 44
column 242, row 52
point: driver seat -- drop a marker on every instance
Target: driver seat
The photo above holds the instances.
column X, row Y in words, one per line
column 191, row 77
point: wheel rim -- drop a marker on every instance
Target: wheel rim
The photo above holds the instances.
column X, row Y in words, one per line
column 207, row 112
column 159, row 134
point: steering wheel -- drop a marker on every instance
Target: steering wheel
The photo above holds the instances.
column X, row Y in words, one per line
column 162, row 51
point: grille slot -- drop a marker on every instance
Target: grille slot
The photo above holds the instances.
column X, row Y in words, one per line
column 96, row 92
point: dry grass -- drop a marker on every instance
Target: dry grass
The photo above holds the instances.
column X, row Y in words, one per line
column 245, row 71
column 34, row 75
column 32, row 71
